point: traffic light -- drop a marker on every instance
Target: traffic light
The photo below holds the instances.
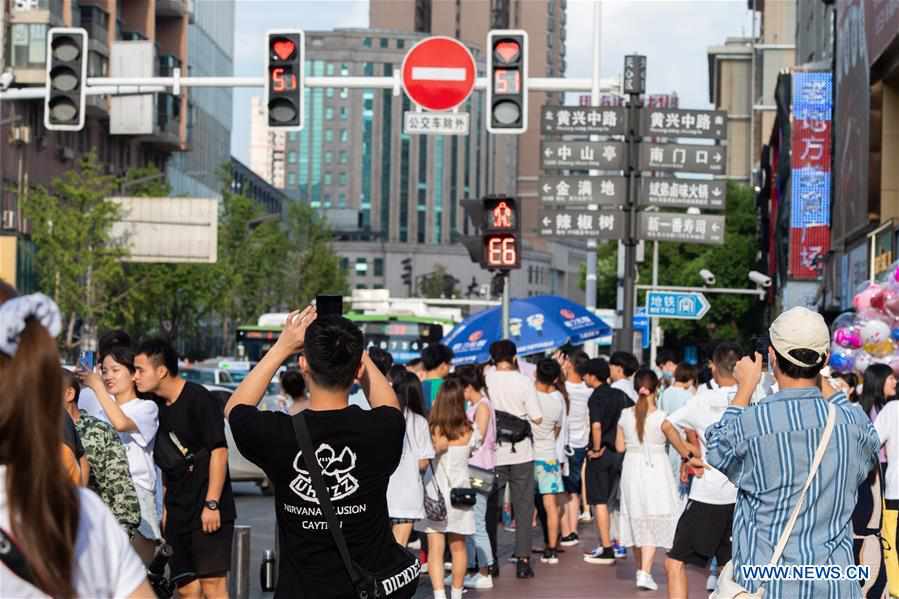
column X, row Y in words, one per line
column 507, row 86
column 502, row 246
column 66, row 79
column 497, row 245
column 284, row 80
column 407, row 273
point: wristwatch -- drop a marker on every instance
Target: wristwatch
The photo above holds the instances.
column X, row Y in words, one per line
column 212, row 504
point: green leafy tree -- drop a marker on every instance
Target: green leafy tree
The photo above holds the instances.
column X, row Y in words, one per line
column 169, row 300
column 79, row 259
column 312, row 267
column 438, row 284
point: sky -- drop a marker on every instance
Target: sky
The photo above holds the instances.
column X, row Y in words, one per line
column 673, row 34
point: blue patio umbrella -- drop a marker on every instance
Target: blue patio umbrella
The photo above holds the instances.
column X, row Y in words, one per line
column 536, row 324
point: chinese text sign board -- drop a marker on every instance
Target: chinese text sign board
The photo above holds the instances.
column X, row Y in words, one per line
column 671, row 122
column 683, row 158
column 583, row 189
column 810, row 185
column 682, row 193
column 686, row 228
column 582, row 223
column 607, row 156
column 688, row 305
column 583, row 121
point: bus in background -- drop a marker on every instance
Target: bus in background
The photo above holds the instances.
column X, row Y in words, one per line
column 402, row 335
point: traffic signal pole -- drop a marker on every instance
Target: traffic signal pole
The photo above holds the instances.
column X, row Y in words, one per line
column 594, row 101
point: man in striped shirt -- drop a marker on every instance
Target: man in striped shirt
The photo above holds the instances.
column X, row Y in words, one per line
column 767, row 449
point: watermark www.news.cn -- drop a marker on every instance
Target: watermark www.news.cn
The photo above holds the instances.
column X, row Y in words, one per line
column 806, row 572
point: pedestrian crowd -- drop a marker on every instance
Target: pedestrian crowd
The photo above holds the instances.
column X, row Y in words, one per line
column 383, row 472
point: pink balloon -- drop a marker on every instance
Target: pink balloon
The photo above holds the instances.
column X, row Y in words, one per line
column 891, row 301
column 847, row 338
column 862, row 300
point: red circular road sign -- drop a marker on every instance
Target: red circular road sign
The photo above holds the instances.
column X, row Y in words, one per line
column 438, row 73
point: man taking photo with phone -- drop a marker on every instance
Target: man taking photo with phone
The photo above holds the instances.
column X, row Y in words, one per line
column 356, row 450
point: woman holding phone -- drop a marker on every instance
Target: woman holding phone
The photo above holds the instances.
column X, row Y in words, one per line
column 136, row 420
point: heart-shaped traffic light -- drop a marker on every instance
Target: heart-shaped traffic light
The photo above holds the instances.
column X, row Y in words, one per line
column 507, row 51
column 283, row 48
column 284, row 78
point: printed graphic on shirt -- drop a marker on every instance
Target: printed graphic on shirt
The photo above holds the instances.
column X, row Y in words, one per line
column 336, row 472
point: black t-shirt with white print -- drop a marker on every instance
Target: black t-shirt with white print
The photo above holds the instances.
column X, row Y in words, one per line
column 358, row 451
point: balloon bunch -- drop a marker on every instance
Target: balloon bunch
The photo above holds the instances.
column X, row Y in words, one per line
column 870, row 334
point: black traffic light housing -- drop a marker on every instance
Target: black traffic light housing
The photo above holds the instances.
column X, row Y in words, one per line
column 497, row 244
column 507, row 83
column 407, row 273
column 64, row 105
column 285, row 78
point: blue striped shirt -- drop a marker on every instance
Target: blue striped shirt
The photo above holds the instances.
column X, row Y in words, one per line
column 766, row 450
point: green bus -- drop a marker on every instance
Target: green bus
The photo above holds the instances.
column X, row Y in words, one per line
column 403, row 335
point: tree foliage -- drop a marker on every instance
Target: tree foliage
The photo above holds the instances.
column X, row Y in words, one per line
column 79, row 260
column 438, row 284
column 263, row 264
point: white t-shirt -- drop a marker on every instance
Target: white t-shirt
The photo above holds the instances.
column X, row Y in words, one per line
column 886, row 424
column 512, row 392
column 627, row 386
column 405, row 498
column 106, row 566
column 87, row 401
column 699, row 413
column 553, row 407
column 578, row 414
column 139, row 444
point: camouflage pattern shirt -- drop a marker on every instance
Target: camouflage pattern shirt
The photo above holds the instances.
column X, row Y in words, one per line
column 110, row 477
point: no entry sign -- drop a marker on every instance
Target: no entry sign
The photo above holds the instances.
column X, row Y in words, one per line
column 438, row 73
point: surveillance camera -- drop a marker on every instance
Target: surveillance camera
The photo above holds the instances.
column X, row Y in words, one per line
column 6, row 79
column 707, row 276
column 759, row 279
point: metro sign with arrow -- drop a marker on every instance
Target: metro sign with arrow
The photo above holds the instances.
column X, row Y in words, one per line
column 685, row 305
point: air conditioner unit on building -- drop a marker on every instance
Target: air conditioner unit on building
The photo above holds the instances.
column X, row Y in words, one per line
column 9, row 219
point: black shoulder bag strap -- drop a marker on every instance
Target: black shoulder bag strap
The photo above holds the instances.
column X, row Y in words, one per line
column 324, row 499
column 13, row 559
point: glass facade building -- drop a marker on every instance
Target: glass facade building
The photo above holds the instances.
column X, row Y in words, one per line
column 352, row 154
column 210, row 39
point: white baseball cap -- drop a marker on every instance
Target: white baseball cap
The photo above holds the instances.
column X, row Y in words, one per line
column 800, row 328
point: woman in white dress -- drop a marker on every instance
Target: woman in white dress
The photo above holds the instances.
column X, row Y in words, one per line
column 454, row 438
column 650, row 506
column 405, row 496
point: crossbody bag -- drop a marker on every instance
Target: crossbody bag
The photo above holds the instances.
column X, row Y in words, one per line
column 727, row 587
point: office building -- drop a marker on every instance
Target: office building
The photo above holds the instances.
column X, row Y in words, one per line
column 29, row 154
column 197, row 172
column 742, row 79
column 388, row 195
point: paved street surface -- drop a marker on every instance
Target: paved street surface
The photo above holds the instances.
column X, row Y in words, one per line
column 572, row 578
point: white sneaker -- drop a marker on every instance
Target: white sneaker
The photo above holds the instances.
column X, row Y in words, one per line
column 478, row 581
column 416, row 544
column 645, row 581
column 585, row 517
column 711, row 583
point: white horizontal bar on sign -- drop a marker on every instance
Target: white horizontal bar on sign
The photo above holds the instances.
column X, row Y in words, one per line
column 438, row 73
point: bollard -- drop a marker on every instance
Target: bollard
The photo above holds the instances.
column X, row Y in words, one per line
column 240, row 563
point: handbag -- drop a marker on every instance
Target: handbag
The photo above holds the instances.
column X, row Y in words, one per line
column 727, row 587
column 365, row 584
column 482, row 480
column 435, row 508
column 511, row 429
column 463, row 497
